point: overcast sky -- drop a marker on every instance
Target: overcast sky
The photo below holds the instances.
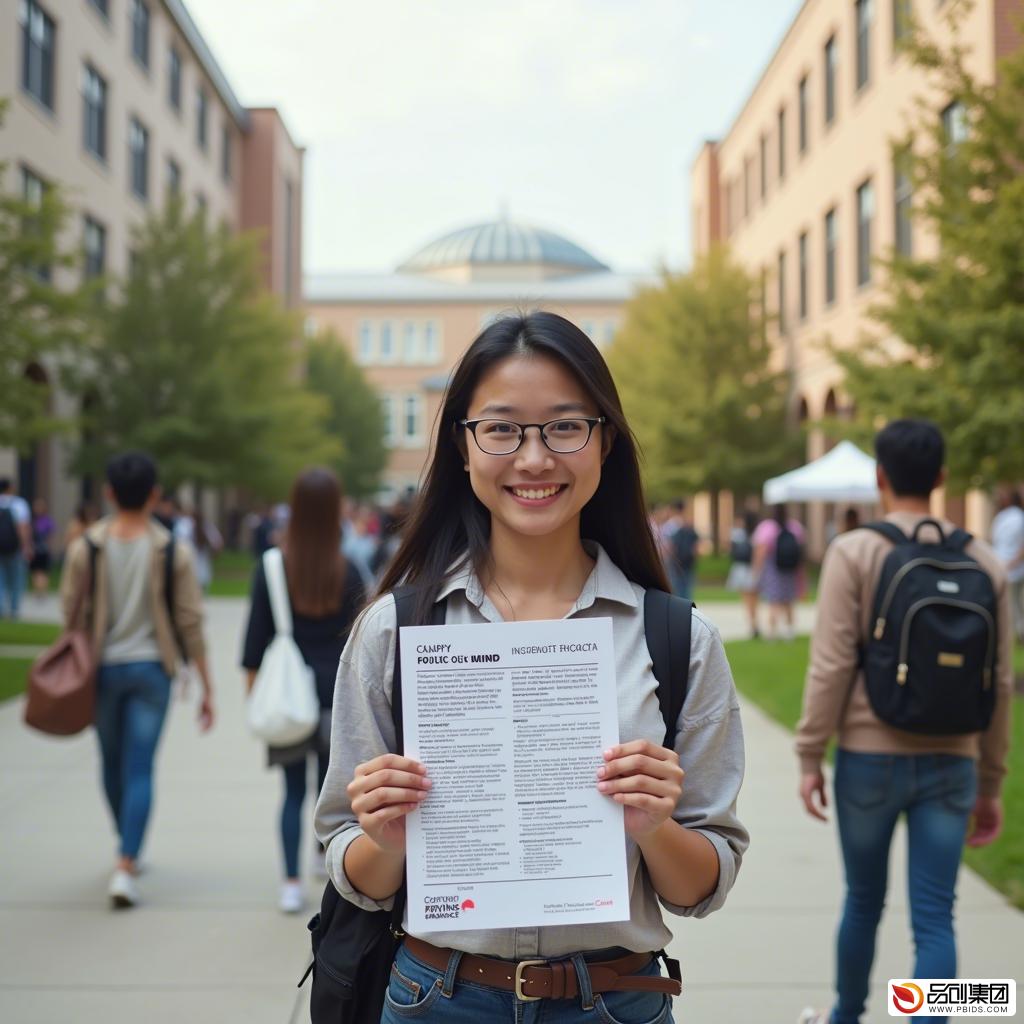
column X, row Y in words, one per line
column 582, row 116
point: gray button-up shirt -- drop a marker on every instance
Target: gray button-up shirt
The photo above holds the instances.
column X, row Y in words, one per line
column 709, row 744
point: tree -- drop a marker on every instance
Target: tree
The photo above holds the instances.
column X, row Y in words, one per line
column 355, row 417
column 958, row 314
column 198, row 366
column 692, row 362
column 40, row 324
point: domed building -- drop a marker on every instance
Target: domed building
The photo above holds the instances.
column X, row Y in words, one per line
column 408, row 328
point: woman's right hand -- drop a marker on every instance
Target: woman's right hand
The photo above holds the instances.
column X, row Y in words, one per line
column 383, row 792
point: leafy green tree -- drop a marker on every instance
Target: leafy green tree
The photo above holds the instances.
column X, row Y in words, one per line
column 952, row 344
column 692, row 363
column 355, row 418
column 198, row 365
column 39, row 323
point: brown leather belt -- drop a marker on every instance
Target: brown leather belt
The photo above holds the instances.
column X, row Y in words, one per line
column 545, row 979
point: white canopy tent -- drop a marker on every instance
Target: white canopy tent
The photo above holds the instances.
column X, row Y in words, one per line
column 844, row 474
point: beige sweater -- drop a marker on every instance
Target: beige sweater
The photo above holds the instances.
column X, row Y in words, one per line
column 835, row 697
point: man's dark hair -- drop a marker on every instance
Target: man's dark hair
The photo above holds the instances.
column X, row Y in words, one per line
column 132, row 477
column 5, row 484
column 678, row 505
column 912, row 453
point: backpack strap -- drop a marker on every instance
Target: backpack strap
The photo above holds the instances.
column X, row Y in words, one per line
column 959, row 539
column 277, row 588
column 667, row 628
column 888, row 530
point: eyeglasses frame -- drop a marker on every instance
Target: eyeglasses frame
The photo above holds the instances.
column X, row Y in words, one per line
column 591, row 421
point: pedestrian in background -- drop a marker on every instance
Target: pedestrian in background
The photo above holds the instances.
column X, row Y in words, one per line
column 682, row 542
column 15, row 548
column 43, row 528
column 938, row 782
column 326, row 593
column 84, row 517
column 1008, row 541
column 742, row 577
column 135, row 637
column 778, row 562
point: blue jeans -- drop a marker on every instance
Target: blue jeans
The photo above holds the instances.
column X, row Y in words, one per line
column 12, row 582
column 937, row 793
column 291, row 809
column 681, row 580
column 418, row 992
column 131, row 705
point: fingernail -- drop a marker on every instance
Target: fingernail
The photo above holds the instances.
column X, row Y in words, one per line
column 601, row 771
column 427, row 783
column 608, row 753
column 603, row 786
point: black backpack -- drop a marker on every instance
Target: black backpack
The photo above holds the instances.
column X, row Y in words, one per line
column 930, row 658
column 788, row 552
column 741, row 551
column 353, row 949
column 10, row 542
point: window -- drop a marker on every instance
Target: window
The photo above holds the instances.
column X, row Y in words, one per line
column 102, row 6
column 862, row 11
column 173, row 177
column 431, row 346
column 954, row 124
column 903, row 194
column 94, row 112
column 901, row 22
column 95, row 241
column 174, row 79
column 289, row 240
column 225, row 153
column 831, row 241
column 831, row 66
column 202, row 118
column 410, row 342
column 411, row 416
column 364, row 353
column 387, row 406
column 865, row 216
column 140, row 32
column 803, row 271
column 781, row 298
column 781, row 129
column 801, row 99
column 138, row 148
column 33, row 190
column 763, row 154
column 38, row 41
column 387, row 342
column 746, row 186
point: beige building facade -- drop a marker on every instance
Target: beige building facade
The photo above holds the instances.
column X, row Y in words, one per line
column 409, row 328
column 806, row 191
column 122, row 104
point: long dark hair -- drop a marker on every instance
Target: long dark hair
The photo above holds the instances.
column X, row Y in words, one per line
column 448, row 524
column 313, row 563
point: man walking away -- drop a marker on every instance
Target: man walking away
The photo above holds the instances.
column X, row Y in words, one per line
column 1008, row 540
column 683, row 542
column 136, row 627
column 15, row 547
column 877, row 643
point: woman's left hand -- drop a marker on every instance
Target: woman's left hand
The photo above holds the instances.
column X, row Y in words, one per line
column 646, row 779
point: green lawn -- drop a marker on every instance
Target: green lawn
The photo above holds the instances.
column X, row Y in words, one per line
column 232, row 573
column 13, row 676
column 40, row 633
column 772, row 675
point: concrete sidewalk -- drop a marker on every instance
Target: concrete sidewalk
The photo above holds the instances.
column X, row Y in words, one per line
column 210, row 946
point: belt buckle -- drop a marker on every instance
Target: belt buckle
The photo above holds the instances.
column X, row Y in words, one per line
column 520, row 994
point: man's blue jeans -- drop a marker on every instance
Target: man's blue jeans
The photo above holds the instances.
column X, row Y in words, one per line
column 937, row 793
column 681, row 580
column 418, row 992
column 131, row 705
column 13, row 571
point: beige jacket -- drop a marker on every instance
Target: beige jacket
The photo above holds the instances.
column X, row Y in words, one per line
column 188, row 606
column 835, row 697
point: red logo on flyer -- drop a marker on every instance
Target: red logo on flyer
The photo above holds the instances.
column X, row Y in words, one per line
column 468, row 905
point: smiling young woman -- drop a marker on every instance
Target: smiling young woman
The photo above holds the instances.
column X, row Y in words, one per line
column 533, row 508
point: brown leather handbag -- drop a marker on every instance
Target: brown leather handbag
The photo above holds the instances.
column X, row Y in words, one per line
column 62, row 680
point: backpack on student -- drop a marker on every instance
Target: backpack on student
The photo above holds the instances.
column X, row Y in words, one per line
column 789, row 553
column 930, row 657
column 10, row 542
column 741, row 551
column 353, row 949
column 284, row 707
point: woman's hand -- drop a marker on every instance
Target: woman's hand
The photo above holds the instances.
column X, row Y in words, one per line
column 383, row 792
column 646, row 779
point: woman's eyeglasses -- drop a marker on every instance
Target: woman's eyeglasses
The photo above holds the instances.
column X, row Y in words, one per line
column 504, row 437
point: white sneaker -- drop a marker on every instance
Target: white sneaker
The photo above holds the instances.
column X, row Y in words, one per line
column 812, row 1016
column 123, row 891
column 292, row 897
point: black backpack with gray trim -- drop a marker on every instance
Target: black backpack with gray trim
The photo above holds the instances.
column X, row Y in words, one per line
column 931, row 653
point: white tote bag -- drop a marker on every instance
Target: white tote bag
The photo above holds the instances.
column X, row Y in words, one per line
column 283, row 707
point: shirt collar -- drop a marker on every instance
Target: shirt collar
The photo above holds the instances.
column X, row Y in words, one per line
column 606, row 582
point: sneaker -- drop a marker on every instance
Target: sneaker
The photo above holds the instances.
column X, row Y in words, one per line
column 123, row 891
column 292, row 897
column 812, row 1016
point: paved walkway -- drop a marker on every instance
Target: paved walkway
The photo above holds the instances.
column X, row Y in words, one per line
column 209, row 946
